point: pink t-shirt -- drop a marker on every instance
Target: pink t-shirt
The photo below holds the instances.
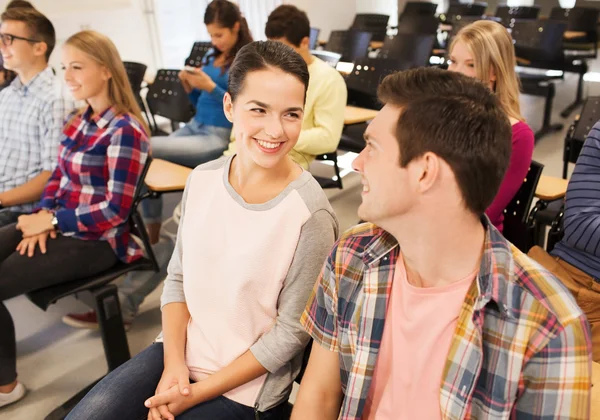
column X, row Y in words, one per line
column 520, row 160
column 419, row 327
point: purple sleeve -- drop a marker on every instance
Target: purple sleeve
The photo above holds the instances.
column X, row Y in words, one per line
column 520, row 160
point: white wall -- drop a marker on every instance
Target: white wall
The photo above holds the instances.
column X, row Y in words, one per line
column 384, row 7
column 124, row 21
column 327, row 15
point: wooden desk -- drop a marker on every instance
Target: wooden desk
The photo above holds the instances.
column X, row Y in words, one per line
column 376, row 45
column 595, row 391
column 551, row 188
column 355, row 115
column 445, row 27
column 574, row 34
column 165, row 176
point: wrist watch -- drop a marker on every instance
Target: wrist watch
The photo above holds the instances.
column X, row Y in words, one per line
column 55, row 222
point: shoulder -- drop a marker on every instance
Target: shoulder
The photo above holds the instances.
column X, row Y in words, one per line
column 521, row 130
column 127, row 127
column 321, row 71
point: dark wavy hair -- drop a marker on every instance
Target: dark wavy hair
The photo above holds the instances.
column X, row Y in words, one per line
column 226, row 14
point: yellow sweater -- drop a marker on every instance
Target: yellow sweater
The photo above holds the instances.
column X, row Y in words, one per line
column 323, row 114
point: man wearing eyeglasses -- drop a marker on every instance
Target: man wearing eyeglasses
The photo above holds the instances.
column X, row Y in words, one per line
column 32, row 112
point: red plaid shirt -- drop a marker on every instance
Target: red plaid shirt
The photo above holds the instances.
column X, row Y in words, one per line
column 91, row 190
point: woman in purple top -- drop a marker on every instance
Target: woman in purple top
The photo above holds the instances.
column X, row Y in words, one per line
column 484, row 50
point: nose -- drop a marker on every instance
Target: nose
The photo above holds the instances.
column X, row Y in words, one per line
column 358, row 163
column 273, row 127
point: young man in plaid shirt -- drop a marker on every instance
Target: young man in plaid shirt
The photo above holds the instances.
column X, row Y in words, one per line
column 428, row 312
column 33, row 110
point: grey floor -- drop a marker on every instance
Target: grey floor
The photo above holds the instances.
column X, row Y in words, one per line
column 55, row 361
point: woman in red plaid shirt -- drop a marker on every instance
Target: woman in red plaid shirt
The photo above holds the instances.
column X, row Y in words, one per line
column 81, row 226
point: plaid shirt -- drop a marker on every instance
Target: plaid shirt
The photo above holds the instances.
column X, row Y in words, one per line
column 100, row 161
column 521, row 348
column 31, row 121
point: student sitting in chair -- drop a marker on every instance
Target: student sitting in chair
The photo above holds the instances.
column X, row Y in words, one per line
column 255, row 229
column 206, row 136
column 81, row 227
column 33, row 111
column 327, row 93
column 575, row 260
column 427, row 312
column 484, row 50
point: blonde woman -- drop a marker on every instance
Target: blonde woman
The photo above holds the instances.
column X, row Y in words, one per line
column 484, row 50
column 80, row 228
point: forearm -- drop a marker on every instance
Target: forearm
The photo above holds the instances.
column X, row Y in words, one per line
column 27, row 193
column 239, row 372
column 175, row 318
column 321, row 406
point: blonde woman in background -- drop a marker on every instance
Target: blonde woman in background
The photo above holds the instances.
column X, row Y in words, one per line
column 484, row 50
column 80, row 227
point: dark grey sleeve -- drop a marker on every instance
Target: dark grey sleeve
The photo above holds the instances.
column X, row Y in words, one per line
column 287, row 338
column 173, row 288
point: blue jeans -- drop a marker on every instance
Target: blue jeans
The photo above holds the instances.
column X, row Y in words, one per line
column 121, row 395
column 190, row 146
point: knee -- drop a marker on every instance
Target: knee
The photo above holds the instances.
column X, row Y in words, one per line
column 98, row 406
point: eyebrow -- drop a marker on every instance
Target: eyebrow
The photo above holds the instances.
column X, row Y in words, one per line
column 264, row 105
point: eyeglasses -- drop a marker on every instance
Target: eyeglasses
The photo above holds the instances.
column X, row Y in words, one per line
column 7, row 39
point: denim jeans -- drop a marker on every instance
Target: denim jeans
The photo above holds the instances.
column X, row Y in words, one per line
column 136, row 285
column 121, row 395
column 190, row 146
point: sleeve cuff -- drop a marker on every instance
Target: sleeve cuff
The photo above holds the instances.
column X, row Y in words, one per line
column 265, row 357
column 67, row 220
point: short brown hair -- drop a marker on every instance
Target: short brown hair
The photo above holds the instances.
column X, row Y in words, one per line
column 39, row 26
column 457, row 118
column 288, row 22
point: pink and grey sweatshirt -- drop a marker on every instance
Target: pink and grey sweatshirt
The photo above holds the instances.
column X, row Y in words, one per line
column 245, row 272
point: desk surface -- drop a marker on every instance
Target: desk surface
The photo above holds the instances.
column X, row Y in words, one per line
column 574, row 34
column 165, row 176
column 551, row 188
column 355, row 115
column 595, row 391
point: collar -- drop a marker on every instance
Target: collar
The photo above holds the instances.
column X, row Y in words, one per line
column 496, row 271
column 40, row 82
column 101, row 120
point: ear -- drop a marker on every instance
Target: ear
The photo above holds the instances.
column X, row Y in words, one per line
column 305, row 43
column 106, row 74
column 228, row 107
column 428, row 169
column 40, row 48
column 492, row 74
column 236, row 27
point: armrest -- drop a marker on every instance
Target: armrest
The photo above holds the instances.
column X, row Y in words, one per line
column 550, row 188
column 165, row 176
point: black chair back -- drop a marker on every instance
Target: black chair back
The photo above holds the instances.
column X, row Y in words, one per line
column 167, row 98
column 329, row 57
column 590, row 115
column 456, row 11
column 374, row 23
column 418, row 24
column 135, row 74
column 352, row 45
column 414, row 50
column 556, row 232
column 419, row 8
column 314, row 38
column 508, row 14
column 580, row 19
column 539, row 41
column 363, row 81
column 515, row 214
column 197, row 54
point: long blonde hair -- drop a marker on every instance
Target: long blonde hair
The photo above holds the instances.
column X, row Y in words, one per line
column 492, row 49
column 102, row 50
